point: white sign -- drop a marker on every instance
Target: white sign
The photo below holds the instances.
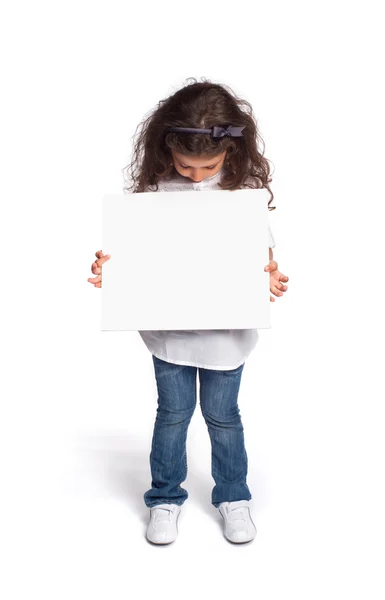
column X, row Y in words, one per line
column 184, row 260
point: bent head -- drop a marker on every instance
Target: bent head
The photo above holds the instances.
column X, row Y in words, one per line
column 159, row 153
column 197, row 167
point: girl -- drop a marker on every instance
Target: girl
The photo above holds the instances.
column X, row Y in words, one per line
column 201, row 137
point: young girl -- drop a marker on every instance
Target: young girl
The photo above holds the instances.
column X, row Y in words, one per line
column 202, row 137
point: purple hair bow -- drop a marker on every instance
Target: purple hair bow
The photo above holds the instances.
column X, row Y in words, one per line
column 219, row 132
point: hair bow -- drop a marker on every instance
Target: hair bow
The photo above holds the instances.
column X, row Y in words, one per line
column 219, row 132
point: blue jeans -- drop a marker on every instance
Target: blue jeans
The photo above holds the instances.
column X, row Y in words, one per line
column 176, row 404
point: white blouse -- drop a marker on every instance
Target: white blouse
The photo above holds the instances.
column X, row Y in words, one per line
column 218, row 349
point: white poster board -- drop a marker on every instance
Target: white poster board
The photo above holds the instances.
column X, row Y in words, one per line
column 184, row 260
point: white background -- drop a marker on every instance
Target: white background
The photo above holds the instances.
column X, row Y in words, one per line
column 78, row 406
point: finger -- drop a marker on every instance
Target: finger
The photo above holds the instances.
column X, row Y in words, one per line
column 272, row 299
column 95, row 279
column 99, row 254
column 276, row 291
column 280, row 286
column 102, row 260
column 272, row 266
column 285, row 279
column 95, row 269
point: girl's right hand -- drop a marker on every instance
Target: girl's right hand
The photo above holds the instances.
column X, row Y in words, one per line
column 96, row 268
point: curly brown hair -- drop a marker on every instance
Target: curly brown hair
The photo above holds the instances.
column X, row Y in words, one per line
column 204, row 105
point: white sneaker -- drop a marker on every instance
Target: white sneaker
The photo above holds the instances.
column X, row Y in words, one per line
column 238, row 526
column 162, row 528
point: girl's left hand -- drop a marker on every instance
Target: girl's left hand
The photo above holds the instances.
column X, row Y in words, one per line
column 276, row 277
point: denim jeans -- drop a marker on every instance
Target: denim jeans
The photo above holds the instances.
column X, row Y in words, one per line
column 176, row 404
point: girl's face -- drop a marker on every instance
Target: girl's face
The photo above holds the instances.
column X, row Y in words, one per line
column 197, row 167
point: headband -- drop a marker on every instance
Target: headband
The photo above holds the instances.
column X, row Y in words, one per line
column 216, row 132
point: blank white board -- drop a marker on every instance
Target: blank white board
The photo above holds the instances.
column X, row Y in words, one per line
column 185, row 260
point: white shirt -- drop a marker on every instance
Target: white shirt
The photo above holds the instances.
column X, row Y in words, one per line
column 218, row 349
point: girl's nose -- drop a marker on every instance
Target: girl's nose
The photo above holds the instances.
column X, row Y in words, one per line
column 196, row 177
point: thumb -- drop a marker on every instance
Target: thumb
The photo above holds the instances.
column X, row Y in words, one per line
column 271, row 266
